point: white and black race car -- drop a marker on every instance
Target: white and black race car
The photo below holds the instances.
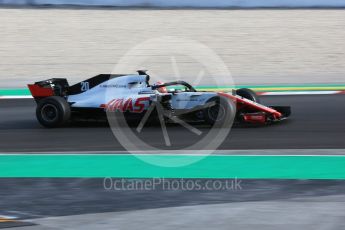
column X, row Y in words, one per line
column 132, row 95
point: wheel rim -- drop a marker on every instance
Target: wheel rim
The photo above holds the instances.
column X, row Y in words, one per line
column 217, row 112
column 49, row 112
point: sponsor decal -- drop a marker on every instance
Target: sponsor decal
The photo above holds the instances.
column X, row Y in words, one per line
column 136, row 105
column 113, row 86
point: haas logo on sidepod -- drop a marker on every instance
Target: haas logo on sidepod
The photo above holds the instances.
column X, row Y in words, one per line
column 132, row 105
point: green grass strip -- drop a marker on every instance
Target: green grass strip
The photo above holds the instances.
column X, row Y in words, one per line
column 14, row 92
column 213, row 166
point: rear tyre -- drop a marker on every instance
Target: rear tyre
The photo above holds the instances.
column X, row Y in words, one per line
column 53, row 112
column 248, row 94
column 221, row 114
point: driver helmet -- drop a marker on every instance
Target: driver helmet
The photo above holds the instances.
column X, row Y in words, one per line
column 161, row 89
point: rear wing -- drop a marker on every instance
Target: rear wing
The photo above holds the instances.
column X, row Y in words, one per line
column 50, row 87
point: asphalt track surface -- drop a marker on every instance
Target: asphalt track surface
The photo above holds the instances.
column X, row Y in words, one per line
column 44, row 197
column 317, row 122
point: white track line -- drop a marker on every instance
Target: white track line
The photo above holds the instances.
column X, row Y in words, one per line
column 300, row 93
column 8, row 217
column 16, row 97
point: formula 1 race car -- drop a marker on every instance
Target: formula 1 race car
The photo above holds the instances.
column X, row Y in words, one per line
column 131, row 95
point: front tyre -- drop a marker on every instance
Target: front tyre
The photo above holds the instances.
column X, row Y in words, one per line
column 221, row 113
column 248, row 94
column 53, row 112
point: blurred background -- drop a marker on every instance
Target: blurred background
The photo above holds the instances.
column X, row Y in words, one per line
column 258, row 45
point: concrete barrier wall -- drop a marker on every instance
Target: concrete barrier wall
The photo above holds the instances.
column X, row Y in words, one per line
column 185, row 3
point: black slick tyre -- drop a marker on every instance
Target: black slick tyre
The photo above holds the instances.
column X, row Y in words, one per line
column 53, row 112
column 248, row 94
column 221, row 113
